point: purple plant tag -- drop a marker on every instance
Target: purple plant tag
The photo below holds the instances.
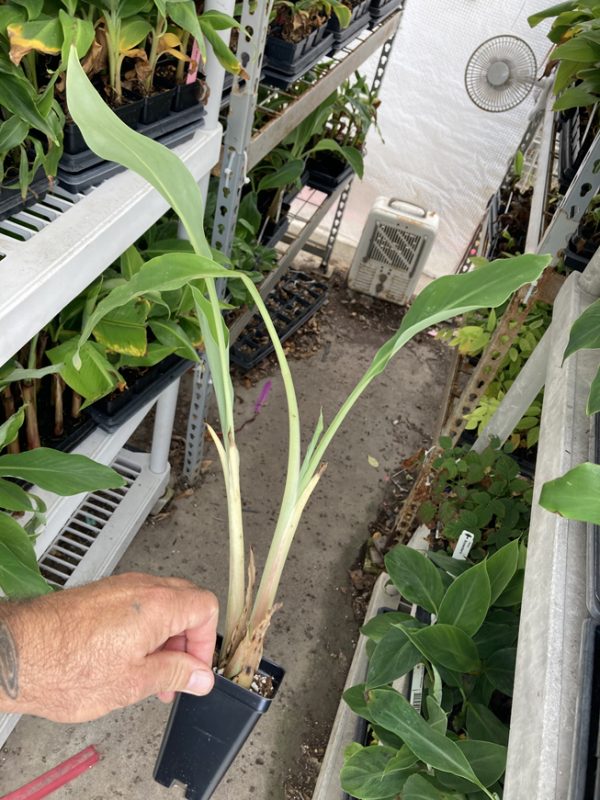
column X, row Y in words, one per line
column 263, row 396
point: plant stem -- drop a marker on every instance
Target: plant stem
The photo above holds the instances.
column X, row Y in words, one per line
column 58, row 388
column 181, row 65
column 76, row 405
column 8, row 404
column 158, row 31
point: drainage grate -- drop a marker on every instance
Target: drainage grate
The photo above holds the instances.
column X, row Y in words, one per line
column 63, row 557
column 25, row 224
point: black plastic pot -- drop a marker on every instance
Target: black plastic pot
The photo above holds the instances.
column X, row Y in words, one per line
column 112, row 411
column 274, row 232
column 359, row 20
column 572, row 145
column 187, row 95
column 157, row 106
column 291, row 303
column 204, row 734
column 285, row 62
column 326, row 174
column 381, row 9
column 80, row 171
column 75, row 143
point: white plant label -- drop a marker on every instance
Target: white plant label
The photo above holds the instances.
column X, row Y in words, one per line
column 463, row 546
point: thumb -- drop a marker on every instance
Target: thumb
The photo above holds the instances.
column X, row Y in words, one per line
column 168, row 671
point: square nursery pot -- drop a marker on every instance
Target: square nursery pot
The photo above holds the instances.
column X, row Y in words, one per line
column 578, row 253
column 359, row 20
column 204, row 734
column 157, row 106
column 285, row 62
column 74, row 142
column 11, row 201
column 327, row 173
column 187, row 95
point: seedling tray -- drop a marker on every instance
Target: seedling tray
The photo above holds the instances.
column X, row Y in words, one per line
column 11, row 201
column 291, row 303
column 379, row 11
column 102, row 170
column 359, row 21
column 327, row 176
column 111, row 412
column 277, row 73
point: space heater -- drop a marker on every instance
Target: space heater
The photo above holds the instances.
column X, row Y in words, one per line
column 393, row 249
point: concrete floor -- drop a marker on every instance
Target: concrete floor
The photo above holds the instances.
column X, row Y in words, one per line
column 313, row 635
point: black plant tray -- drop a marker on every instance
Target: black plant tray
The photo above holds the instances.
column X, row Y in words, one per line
column 204, row 734
column 578, row 259
column 379, row 11
column 112, row 411
column 11, row 201
column 188, row 120
column 282, row 75
column 292, row 302
column 572, row 149
column 75, row 437
column 585, row 770
column 358, row 21
column 327, row 176
column 93, row 175
column 274, row 232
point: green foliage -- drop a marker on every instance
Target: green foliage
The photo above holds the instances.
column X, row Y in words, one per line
column 481, row 493
column 53, row 471
column 469, row 656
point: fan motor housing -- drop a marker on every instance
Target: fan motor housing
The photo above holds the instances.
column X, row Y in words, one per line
column 393, row 250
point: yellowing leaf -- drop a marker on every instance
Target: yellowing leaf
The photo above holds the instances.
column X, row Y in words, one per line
column 373, row 461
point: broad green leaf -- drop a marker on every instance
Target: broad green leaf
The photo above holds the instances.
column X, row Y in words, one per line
column 446, row 646
column 170, row 333
column 418, row 787
column 593, row 401
column 13, row 498
column 551, row 11
column 62, row 473
column 12, row 133
column 415, row 577
column 18, row 580
column 41, row 35
column 574, row 97
column 575, row 495
column 490, row 638
column 585, row 331
column 500, row 670
column 395, row 655
column 226, row 58
column 453, row 566
column 577, row 49
column 95, row 378
column 17, row 97
column 356, row 698
column 436, row 716
column 396, row 714
column 467, row 600
column 369, row 774
column 487, row 759
column 9, row 430
column 483, row 724
column 156, row 353
column 131, row 262
column 219, row 21
column 77, row 32
column 379, row 625
column 349, row 154
column 501, row 567
column 287, row 174
column 133, row 31
column 112, row 140
column 513, row 593
column 123, row 330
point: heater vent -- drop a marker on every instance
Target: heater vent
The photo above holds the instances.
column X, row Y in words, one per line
column 393, row 249
column 62, row 558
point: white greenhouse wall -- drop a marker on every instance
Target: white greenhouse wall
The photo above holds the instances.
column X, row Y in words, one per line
column 440, row 150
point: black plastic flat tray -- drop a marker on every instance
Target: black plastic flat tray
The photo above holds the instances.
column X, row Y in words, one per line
column 110, row 413
column 92, row 176
column 12, row 202
column 343, row 35
column 381, row 11
column 585, row 771
column 297, row 288
column 283, row 78
column 325, row 181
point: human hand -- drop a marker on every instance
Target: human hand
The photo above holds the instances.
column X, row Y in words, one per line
column 77, row 654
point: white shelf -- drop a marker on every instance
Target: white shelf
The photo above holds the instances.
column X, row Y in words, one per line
column 108, row 539
column 71, row 239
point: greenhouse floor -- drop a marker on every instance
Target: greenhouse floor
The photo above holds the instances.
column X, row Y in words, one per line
column 314, row 634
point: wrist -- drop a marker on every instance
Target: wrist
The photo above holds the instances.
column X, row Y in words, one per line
column 10, row 688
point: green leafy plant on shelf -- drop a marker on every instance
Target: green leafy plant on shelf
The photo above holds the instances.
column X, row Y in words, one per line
column 575, row 31
column 482, row 493
column 61, row 473
column 457, row 749
column 249, row 610
column 294, row 20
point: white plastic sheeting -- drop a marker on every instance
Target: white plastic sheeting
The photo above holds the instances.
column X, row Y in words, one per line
column 441, row 151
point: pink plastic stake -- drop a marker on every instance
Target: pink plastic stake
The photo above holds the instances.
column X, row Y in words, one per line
column 263, row 397
column 193, row 73
column 56, row 777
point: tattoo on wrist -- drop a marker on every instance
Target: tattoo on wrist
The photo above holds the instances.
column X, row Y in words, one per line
column 9, row 663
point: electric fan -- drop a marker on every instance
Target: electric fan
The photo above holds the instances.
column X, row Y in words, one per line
column 500, row 73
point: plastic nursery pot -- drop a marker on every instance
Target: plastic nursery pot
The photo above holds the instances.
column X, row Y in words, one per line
column 359, row 20
column 157, row 106
column 327, row 173
column 381, row 9
column 187, row 95
column 204, row 734
column 11, row 201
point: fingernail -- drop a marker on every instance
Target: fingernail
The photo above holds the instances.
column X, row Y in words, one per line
column 200, row 682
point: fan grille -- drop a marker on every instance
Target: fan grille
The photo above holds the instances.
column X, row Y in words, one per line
column 500, row 73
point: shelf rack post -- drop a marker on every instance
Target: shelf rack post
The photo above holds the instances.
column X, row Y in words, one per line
column 163, row 428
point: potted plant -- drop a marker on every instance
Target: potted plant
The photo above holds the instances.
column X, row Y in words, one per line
column 248, row 613
column 359, row 19
column 298, row 37
column 380, row 10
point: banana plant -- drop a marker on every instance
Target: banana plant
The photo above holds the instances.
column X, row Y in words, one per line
column 249, row 612
column 62, row 473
